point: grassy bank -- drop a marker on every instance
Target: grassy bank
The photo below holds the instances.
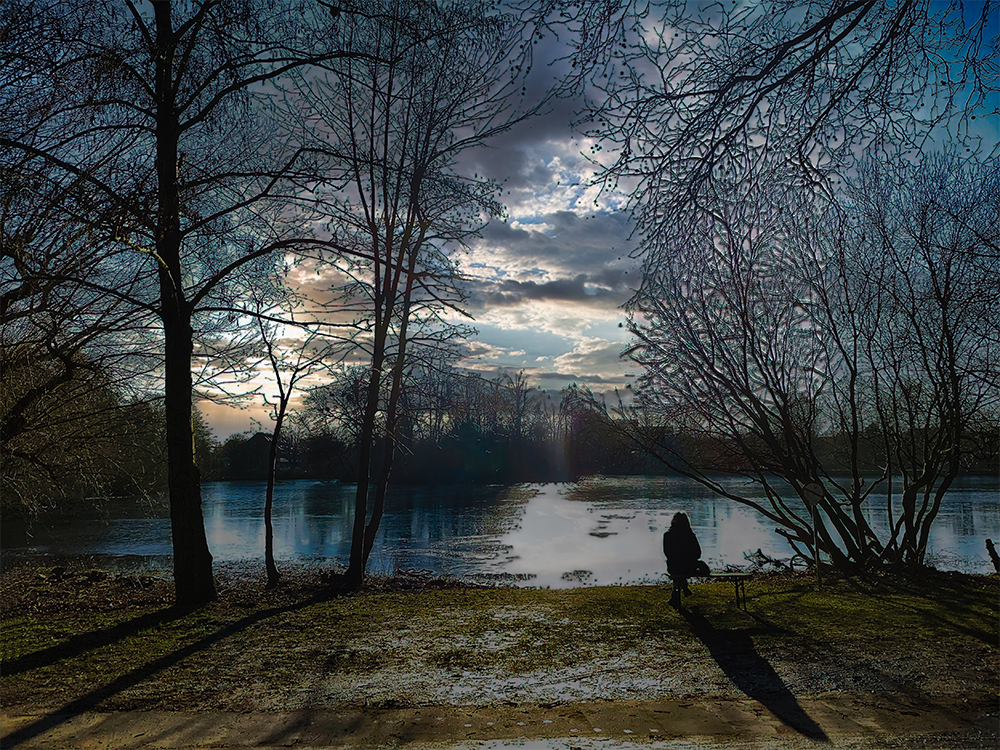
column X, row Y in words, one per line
column 85, row 640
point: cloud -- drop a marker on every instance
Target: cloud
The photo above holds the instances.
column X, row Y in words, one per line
column 546, row 286
column 552, row 361
column 563, row 275
column 561, row 258
column 563, row 379
column 593, row 355
column 582, row 288
column 562, row 238
column 557, row 319
column 480, row 355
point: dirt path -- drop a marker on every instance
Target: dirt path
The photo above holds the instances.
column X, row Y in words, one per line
column 831, row 720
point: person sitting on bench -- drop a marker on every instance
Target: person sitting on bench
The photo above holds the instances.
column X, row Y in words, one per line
column 683, row 553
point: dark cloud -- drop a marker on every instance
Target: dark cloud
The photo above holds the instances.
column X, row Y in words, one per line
column 569, row 377
column 522, row 243
column 575, row 260
column 613, row 278
column 510, row 165
column 571, row 241
column 516, row 166
column 518, row 157
column 581, row 288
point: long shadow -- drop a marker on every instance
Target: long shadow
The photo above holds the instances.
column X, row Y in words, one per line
column 90, row 701
column 934, row 586
column 84, row 642
column 734, row 652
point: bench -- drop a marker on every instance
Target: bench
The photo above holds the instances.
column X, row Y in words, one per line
column 739, row 584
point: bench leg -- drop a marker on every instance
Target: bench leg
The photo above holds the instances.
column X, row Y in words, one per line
column 741, row 594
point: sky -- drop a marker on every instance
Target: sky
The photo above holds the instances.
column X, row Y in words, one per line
column 548, row 285
column 545, row 287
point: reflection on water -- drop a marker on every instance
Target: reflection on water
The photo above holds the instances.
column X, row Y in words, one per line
column 599, row 531
column 609, row 530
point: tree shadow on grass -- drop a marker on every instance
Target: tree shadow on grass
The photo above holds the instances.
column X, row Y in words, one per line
column 734, row 652
column 84, row 642
column 90, row 701
column 951, row 600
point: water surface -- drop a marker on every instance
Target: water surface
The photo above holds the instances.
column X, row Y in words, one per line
column 598, row 531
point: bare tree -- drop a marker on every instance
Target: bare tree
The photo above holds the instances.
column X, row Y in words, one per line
column 71, row 356
column 684, row 93
column 427, row 81
column 793, row 332
column 159, row 108
column 730, row 354
column 296, row 347
column 337, row 407
column 722, row 122
column 926, row 264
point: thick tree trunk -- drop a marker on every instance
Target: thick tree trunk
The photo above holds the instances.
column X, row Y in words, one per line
column 193, row 582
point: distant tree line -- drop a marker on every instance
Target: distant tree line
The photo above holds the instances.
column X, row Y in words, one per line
column 456, row 427
column 464, row 427
column 84, row 441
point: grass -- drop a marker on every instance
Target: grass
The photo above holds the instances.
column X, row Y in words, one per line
column 143, row 653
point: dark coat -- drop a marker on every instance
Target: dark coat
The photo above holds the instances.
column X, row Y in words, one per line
column 681, row 547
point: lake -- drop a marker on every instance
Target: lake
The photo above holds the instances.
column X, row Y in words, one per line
column 595, row 532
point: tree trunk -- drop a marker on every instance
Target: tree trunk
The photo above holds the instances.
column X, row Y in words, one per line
column 272, row 465
column 392, row 416
column 356, row 570
column 193, row 582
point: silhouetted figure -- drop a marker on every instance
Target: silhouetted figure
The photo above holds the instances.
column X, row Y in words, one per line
column 993, row 554
column 681, row 547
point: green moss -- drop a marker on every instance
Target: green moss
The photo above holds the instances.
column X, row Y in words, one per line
column 25, row 635
column 463, row 659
